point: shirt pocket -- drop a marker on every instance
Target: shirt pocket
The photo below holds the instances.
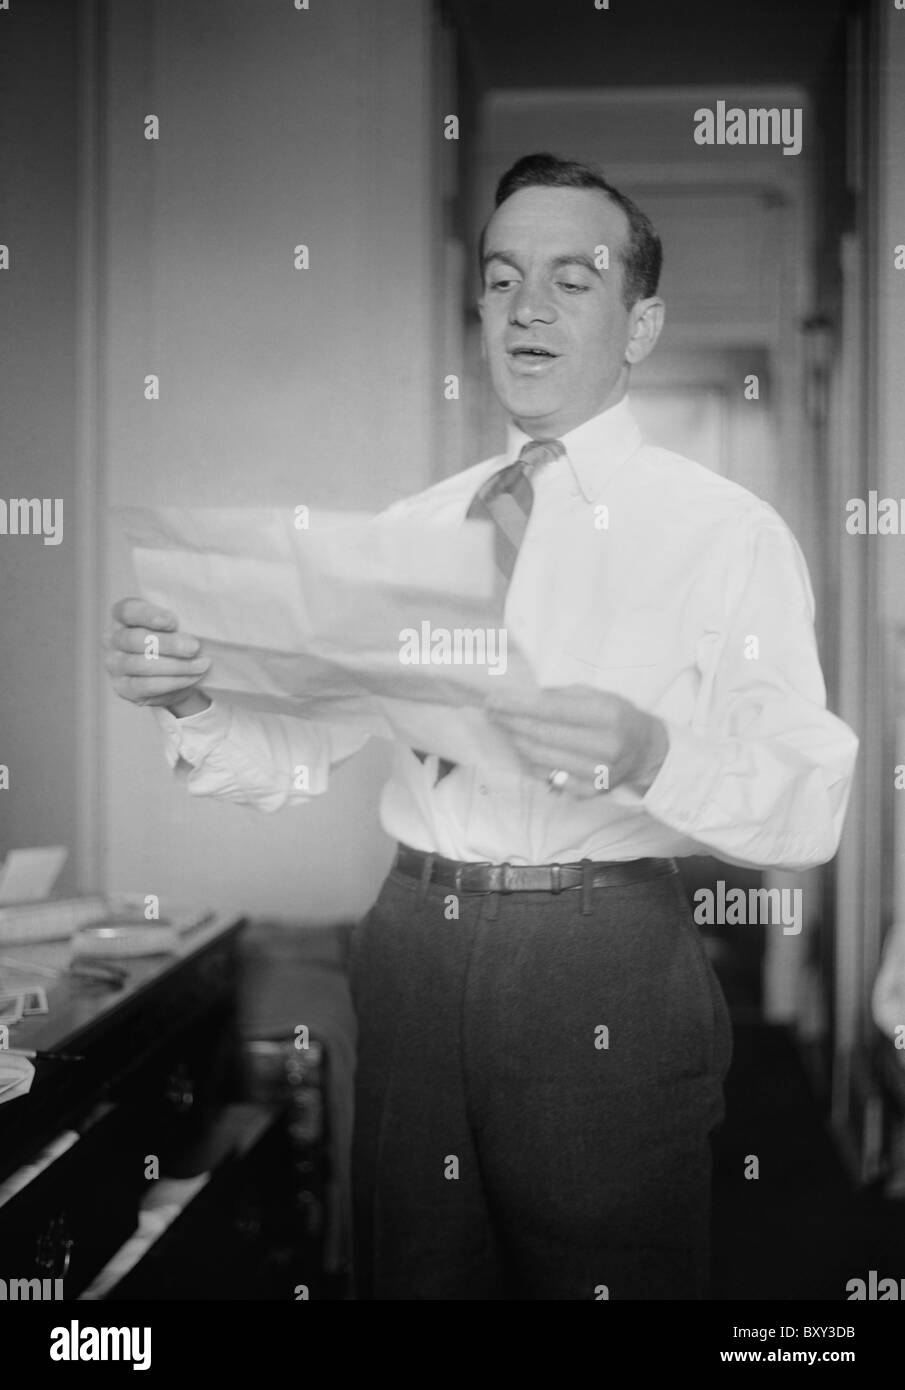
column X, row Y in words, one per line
column 623, row 645
column 632, row 658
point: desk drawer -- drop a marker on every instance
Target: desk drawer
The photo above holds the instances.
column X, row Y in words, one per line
column 68, row 1221
column 236, row 1238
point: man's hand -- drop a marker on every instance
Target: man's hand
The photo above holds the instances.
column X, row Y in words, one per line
column 150, row 662
column 601, row 740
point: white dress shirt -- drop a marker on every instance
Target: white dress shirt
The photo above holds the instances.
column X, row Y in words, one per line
column 692, row 601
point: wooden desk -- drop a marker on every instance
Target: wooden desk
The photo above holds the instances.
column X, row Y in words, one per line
column 161, row 1089
column 113, row 1028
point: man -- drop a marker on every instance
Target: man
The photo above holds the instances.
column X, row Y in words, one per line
column 538, row 1076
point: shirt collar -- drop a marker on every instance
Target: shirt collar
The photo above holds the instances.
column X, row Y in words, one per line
column 595, row 449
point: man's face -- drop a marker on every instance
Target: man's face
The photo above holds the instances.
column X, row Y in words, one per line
column 543, row 290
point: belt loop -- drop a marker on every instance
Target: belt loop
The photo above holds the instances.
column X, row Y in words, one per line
column 555, row 878
column 492, row 910
column 427, row 868
column 587, row 885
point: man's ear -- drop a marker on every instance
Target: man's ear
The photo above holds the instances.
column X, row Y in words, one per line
column 645, row 327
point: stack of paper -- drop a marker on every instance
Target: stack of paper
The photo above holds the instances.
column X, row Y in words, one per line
column 393, row 625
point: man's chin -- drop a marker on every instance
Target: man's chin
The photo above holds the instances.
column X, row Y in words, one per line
column 530, row 405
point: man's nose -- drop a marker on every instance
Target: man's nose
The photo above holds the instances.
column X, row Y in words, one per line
column 531, row 304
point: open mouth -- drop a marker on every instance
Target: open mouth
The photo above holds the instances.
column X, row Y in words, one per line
column 531, row 359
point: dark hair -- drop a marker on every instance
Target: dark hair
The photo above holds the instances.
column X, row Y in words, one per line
column 642, row 255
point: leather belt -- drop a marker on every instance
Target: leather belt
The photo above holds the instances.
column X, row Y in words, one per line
column 477, row 877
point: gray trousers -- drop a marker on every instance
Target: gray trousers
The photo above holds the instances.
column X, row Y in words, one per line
column 535, row 1091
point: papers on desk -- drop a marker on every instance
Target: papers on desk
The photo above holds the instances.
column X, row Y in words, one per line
column 16, row 1075
column 29, row 874
column 52, row 919
column 390, row 625
column 27, row 912
column 16, row 1005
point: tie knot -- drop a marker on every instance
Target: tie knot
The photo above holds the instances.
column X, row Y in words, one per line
column 539, row 451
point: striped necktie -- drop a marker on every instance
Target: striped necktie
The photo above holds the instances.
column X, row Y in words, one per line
column 506, row 499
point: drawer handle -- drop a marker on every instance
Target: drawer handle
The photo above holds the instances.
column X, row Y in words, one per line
column 53, row 1249
column 179, row 1089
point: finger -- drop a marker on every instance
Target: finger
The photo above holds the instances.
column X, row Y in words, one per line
column 587, row 776
column 568, row 737
column 123, row 664
column 140, row 688
column 137, row 612
column 135, row 639
column 543, row 757
column 574, row 704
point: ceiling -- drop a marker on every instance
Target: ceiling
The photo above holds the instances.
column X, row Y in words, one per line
column 665, row 43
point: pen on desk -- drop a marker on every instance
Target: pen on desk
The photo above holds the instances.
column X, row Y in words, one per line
column 38, row 1056
column 86, row 968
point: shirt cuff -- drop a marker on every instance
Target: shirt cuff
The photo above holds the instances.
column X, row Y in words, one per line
column 192, row 738
column 686, row 781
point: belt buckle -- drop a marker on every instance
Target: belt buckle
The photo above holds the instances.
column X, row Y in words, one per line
column 462, row 869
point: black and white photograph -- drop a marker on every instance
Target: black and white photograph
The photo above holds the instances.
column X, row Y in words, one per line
column 452, row 669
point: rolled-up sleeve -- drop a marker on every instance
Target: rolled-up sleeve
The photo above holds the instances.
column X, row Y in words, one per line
column 761, row 777
column 268, row 761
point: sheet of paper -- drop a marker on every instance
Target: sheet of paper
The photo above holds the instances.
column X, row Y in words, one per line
column 390, row 625
column 29, row 874
column 16, row 1075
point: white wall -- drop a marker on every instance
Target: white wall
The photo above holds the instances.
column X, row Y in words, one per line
column 39, row 635
column 278, row 386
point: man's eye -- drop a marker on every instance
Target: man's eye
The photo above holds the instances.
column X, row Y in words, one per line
column 500, row 284
column 572, row 285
